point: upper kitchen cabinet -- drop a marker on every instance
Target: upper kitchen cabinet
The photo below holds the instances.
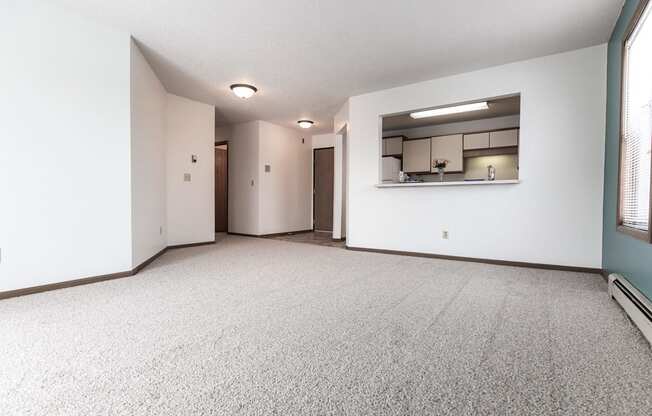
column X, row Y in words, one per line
column 503, row 138
column 476, row 141
column 393, row 146
column 449, row 148
column 416, row 156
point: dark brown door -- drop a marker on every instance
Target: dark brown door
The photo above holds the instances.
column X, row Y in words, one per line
column 221, row 184
column 324, row 170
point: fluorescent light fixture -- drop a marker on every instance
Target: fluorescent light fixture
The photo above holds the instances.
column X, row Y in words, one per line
column 305, row 124
column 243, row 90
column 450, row 110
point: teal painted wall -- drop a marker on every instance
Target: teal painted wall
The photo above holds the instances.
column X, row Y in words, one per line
column 620, row 253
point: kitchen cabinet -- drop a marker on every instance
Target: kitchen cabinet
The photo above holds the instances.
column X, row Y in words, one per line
column 503, row 138
column 391, row 166
column 416, row 155
column 476, row 141
column 392, row 146
column 449, row 148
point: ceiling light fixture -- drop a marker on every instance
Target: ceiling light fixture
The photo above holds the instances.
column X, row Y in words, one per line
column 450, row 110
column 305, row 124
column 243, row 90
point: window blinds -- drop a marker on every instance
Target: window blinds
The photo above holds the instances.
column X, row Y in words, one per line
column 637, row 126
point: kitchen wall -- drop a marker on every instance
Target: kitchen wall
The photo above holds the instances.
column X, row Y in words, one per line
column 551, row 217
column 64, row 147
column 148, row 143
column 621, row 253
column 285, row 191
column 190, row 130
column 486, row 124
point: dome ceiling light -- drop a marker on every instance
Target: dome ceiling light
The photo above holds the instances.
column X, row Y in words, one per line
column 305, row 124
column 243, row 90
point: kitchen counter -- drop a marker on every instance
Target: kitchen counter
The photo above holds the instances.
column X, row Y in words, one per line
column 445, row 183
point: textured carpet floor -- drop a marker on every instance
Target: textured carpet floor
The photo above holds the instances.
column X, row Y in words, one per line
column 258, row 326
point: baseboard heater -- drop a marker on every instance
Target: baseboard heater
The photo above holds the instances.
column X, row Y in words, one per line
column 635, row 304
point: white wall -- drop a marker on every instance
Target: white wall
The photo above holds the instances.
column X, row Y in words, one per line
column 495, row 123
column 148, row 142
column 223, row 133
column 190, row 130
column 243, row 169
column 320, row 141
column 339, row 188
column 553, row 216
column 64, row 147
column 286, row 191
column 341, row 128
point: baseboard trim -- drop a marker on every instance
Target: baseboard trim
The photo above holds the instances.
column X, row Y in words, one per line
column 204, row 243
column 605, row 275
column 480, row 260
column 93, row 279
column 146, row 263
column 271, row 235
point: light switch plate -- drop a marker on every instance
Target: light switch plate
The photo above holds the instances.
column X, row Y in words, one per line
column 268, row 168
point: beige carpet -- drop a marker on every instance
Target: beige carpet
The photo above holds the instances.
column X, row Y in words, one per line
column 259, row 326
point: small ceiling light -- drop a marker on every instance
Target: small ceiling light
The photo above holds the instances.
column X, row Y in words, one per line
column 450, row 110
column 305, row 124
column 243, row 90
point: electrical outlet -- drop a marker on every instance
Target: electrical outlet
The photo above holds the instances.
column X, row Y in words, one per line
column 186, row 177
column 444, row 234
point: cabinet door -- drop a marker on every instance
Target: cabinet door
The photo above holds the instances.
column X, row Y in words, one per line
column 449, row 148
column 394, row 146
column 391, row 166
column 503, row 138
column 476, row 141
column 416, row 155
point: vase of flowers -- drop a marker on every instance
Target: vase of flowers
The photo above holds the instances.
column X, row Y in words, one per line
column 440, row 165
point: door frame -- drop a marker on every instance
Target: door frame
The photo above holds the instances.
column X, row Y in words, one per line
column 228, row 163
column 313, row 184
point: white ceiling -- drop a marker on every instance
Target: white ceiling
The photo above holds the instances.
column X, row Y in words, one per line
column 307, row 56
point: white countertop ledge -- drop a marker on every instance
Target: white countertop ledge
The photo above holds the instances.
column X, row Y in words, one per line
column 451, row 183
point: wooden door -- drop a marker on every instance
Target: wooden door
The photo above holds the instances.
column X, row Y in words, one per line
column 323, row 182
column 221, row 189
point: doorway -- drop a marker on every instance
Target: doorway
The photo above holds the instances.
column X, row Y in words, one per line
column 221, row 187
column 323, row 182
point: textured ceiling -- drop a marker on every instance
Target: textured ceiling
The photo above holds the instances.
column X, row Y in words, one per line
column 307, row 56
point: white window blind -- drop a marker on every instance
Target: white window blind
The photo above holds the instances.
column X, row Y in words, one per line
column 637, row 125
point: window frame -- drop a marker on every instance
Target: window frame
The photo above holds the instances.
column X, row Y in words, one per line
column 633, row 232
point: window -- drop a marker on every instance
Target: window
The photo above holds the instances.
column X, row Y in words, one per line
column 636, row 126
